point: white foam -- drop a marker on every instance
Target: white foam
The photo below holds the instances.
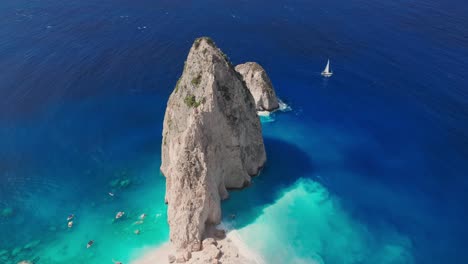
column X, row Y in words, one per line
column 283, row 107
column 263, row 113
column 267, row 116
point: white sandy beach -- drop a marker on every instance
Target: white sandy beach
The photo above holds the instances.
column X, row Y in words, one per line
column 156, row 255
column 232, row 243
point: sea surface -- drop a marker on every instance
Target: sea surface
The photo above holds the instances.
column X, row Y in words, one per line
column 369, row 166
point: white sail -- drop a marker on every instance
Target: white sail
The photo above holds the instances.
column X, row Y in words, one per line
column 327, row 72
column 327, row 68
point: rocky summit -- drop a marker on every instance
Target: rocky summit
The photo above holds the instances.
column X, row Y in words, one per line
column 212, row 141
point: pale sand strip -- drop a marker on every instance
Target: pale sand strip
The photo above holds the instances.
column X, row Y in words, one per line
column 232, row 242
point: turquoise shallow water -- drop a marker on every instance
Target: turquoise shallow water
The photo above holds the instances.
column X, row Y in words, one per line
column 41, row 205
column 94, row 220
column 307, row 225
column 114, row 239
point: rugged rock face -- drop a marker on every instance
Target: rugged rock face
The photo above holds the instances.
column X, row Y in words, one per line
column 212, row 141
column 260, row 86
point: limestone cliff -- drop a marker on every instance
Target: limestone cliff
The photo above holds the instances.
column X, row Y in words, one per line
column 212, row 140
column 260, row 86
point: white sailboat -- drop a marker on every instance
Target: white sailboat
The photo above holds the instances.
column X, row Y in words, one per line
column 327, row 72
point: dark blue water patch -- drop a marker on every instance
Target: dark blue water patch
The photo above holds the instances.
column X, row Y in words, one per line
column 286, row 164
column 88, row 134
column 86, row 49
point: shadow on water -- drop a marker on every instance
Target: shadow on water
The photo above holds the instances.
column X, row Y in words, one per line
column 286, row 163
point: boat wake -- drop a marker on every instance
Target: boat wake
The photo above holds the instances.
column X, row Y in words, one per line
column 283, row 107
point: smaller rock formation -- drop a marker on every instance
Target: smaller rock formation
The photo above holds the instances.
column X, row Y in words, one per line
column 260, row 86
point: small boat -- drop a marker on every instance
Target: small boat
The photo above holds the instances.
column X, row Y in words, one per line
column 70, row 217
column 111, row 194
column 327, row 72
column 90, row 243
column 70, row 224
column 119, row 215
column 142, row 216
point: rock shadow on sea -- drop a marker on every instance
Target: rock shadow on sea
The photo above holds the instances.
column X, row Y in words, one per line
column 285, row 165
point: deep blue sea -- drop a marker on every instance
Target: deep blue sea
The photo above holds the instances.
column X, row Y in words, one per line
column 370, row 166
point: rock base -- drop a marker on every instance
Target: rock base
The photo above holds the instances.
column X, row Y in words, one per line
column 214, row 249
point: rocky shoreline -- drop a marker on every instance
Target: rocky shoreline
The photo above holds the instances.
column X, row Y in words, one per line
column 225, row 249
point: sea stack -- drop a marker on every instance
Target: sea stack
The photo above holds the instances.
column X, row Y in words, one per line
column 260, row 86
column 212, row 141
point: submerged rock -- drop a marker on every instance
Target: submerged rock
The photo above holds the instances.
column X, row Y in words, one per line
column 120, row 183
column 260, row 86
column 212, row 140
column 16, row 251
column 6, row 212
column 125, row 183
column 32, row 244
